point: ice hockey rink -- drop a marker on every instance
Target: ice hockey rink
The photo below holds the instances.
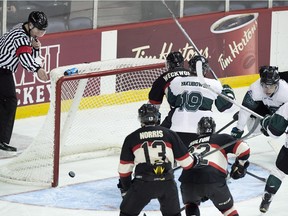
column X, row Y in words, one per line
column 93, row 190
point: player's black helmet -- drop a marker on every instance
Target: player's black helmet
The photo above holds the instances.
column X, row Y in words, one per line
column 206, row 125
column 148, row 114
column 38, row 19
column 269, row 75
column 192, row 64
column 174, row 60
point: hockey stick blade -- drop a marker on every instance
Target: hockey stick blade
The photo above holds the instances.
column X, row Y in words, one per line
column 205, row 85
column 185, row 34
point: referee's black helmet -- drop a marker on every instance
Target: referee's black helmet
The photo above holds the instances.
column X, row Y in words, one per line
column 38, row 19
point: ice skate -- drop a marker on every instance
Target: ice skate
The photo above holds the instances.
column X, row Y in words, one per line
column 266, row 200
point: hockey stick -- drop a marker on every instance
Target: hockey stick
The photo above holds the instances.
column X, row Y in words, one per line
column 247, row 136
column 226, row 126
column 253, row 175
column 235, row 118
column 185, row 34
column 205, row 85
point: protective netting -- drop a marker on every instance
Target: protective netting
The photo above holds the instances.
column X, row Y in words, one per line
column 97, row 113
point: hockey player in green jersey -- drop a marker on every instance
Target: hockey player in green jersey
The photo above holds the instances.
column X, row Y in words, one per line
column 275, row 125
column 191, row 100
column 264, row 96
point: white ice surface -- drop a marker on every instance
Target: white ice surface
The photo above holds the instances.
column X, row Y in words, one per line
column 262, row 154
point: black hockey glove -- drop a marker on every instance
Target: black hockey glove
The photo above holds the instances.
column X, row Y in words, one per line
column 122, row 191
column 264, row 124
column 237, row 170
column 236, row 133
column 228, row 91
column 204, row 199
column 197, row 159
column 236, row 116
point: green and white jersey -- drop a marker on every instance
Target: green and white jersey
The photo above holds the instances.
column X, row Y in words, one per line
column 191, row 101
column 255, row 96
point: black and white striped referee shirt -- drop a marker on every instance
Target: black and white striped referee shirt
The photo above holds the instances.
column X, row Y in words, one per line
column 16, row 46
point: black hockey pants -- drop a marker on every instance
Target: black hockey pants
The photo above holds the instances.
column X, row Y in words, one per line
column 8, row 104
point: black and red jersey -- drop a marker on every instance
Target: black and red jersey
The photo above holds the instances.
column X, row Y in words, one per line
column 215, row 164
column 159, row 86
column 150, row 146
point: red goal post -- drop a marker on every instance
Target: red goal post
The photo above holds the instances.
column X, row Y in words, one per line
column 90, row 115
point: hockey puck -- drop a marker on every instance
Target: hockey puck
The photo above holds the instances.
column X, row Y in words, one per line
column 71, row 174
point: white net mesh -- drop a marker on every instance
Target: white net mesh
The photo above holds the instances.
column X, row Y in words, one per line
column 97, row 113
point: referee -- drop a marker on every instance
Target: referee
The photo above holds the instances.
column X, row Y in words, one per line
column 20, row 44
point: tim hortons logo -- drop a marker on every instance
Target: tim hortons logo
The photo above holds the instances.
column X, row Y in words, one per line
column 187, row 51
column 237, row 48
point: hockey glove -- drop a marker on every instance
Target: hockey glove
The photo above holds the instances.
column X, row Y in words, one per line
column 122, row 191
column 236, row 116
column 236, row 133
column 228, row 91
column 264, row 124
column 197, row 160
column 204, row 199
column 238, row 170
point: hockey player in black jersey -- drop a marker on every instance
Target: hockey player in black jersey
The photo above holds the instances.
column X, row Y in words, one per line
column 208, row 179
column 149, row 153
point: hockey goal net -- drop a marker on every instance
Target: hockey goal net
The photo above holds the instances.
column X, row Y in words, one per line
column 90, row 115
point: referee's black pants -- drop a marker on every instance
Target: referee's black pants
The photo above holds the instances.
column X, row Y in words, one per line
column 8, row 104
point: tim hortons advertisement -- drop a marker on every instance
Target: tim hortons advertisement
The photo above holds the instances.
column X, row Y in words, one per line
column 229, row 42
